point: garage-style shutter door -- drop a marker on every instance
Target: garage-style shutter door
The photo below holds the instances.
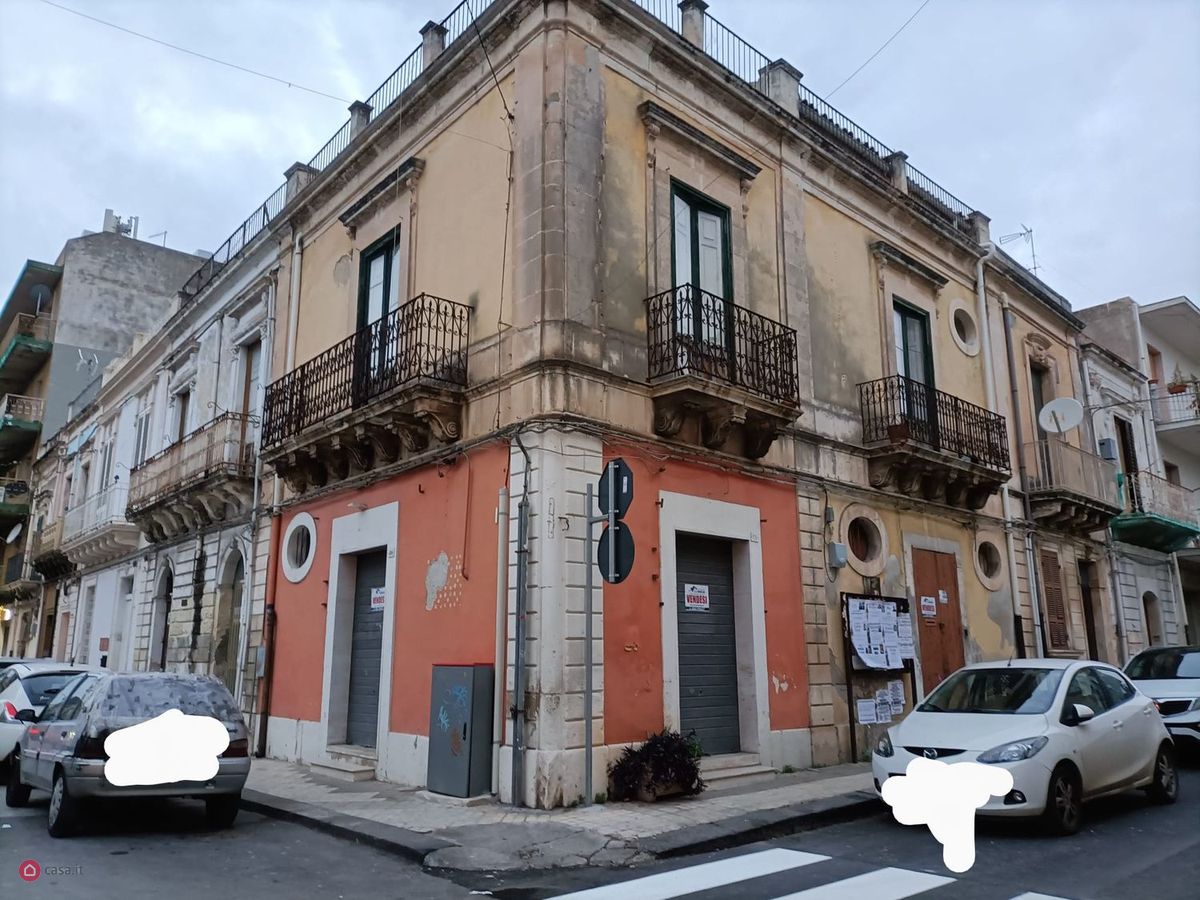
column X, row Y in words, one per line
column 366, row 652
column 708, row 689
column 1056, row 608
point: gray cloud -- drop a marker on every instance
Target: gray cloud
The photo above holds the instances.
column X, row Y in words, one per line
column 1077, row 118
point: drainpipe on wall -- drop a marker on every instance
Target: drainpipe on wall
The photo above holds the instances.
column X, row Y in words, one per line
column 518, row 737
column 498, row 678
column 264, row 363
column 989, row 377
column 1181, row 620
column 1122, row 641
column 268, row 638
column 1034, row 599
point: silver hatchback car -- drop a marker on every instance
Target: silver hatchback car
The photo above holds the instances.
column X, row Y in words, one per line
column 62, row 750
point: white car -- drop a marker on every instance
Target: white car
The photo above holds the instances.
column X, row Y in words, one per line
column 1171, row 677
column 29, row 684
column 1067, row 730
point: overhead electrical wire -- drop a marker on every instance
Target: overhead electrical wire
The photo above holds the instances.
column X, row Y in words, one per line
column 882, row 47
column 212, row 59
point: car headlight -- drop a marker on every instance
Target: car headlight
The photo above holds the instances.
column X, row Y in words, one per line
column 1195, row 705
column 884, row 745
column 1015, row 751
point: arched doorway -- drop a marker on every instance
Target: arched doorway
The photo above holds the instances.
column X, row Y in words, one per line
column 1154, row 623
column 227, row 629
column 162, row 611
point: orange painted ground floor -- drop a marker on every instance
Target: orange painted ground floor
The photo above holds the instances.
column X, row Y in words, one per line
column 376, row 586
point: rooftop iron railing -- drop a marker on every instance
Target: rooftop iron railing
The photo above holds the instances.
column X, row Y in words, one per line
column 425, row 339
column 693, row 332
column 897, row 409
column 460, row 19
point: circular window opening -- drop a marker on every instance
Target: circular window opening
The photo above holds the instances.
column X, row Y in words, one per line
column 299, row 547
column 989, row 559
column 863, row 537
column 964, row 327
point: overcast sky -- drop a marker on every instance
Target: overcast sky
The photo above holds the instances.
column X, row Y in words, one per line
column 1078, row 118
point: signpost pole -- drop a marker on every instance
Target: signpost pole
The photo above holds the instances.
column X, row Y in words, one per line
column 587, row 657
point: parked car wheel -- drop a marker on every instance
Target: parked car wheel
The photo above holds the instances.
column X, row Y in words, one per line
column 15, row 794
column 1064, row 802
column 63, row 815
column 1165, row 786
column 222, row 809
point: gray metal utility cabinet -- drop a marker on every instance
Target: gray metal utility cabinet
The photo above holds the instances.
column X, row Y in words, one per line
column 460, row 731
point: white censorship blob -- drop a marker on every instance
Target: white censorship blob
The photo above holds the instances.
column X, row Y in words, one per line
column 168, row 748
column 945, row 798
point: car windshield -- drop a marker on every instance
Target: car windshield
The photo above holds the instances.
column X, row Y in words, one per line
column 1176, row 662
column 144, row 697
column 42, row 687
column 1010, row 690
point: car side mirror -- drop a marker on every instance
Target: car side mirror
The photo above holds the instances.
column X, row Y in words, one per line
column 26, row 715
column 1077, row 714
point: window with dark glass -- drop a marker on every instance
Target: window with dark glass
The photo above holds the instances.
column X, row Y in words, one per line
column 379, row 279
column 702, row 270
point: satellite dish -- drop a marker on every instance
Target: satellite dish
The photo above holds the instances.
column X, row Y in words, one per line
column 13, row 534
column 1061, row 414
column 40, row 295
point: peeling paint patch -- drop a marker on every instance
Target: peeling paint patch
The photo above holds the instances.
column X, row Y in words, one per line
column 443, row 582
column 781, row 685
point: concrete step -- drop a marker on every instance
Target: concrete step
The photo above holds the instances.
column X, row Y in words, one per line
column 344, row 770
column 736, row 776
column 349, row 753
column 727, row 761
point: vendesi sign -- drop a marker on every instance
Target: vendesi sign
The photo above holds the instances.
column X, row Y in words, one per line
column 378, row 599
column 695, row 597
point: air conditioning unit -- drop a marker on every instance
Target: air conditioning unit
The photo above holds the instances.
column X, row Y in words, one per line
column 1108, row 448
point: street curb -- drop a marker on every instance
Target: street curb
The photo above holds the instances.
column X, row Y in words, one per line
column 412, row 845
column 763, row 825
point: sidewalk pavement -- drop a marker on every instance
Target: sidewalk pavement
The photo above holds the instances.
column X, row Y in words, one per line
column 445, row 833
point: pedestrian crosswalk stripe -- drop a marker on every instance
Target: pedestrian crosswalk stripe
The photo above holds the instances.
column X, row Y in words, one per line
column 1030, row 895
column 708, row 875
column 882, row 884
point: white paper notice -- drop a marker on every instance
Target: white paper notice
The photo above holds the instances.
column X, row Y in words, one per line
column 874, row 612
column 944, row 597
column 378, row 599
column 905, row 635
column 695, row 597
column 896, row 689
column 929, row 606
column 891, row 646
column 858, row 615
column 866, row 712
column 883, row 705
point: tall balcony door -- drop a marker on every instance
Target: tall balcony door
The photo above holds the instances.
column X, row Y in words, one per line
column 377, row 347
column 251, row 381
column 914, row 365
column 702, row 279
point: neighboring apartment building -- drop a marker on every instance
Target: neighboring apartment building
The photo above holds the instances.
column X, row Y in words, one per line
column 63, row 322
column 1158, row 449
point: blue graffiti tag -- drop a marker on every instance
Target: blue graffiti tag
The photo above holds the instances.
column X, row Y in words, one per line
column 443, row 719
column 459, row 695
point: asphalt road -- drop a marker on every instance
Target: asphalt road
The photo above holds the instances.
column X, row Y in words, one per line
column 163, row 850
column 1128, row 848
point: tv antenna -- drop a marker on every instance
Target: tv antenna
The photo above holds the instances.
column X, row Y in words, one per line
column 1025, row 234
column 161, row 234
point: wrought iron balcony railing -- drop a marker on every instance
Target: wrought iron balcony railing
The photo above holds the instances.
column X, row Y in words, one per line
column 693, row 332
column 14, row 487
column 225, row 446
column 1054, row 465
column 426, row 339
column 97, row 511
column 17, row 570
column 1153, row 495
column 897, row 409
column 16, row 406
